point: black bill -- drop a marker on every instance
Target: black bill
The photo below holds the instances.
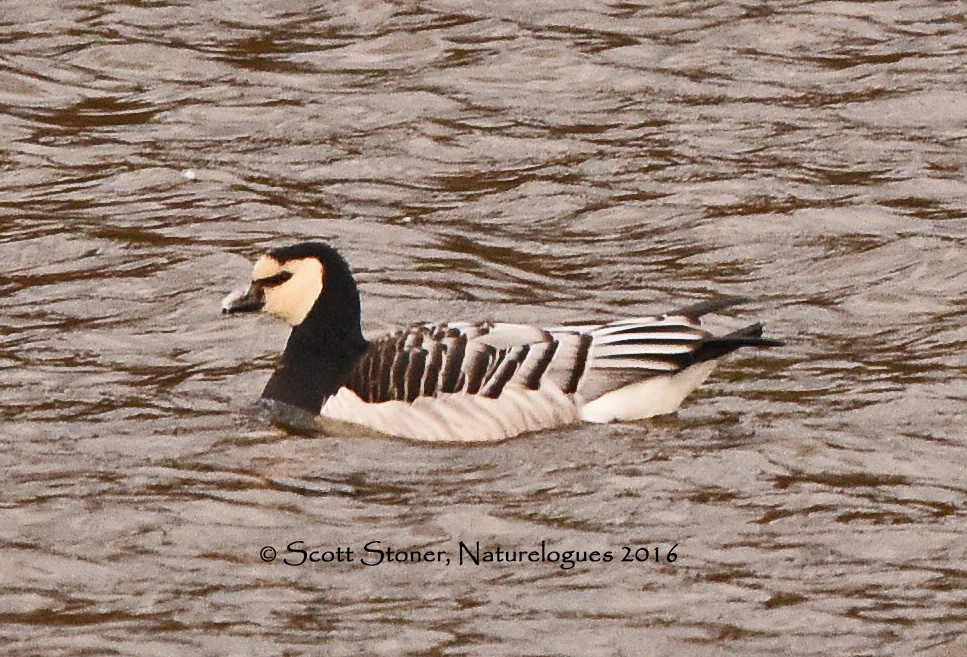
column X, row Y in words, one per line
column 244, row 300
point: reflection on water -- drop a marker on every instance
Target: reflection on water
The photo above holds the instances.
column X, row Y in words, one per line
column 475, row 161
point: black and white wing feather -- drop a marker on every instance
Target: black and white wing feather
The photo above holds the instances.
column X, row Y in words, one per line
column 428, row 360
column 456, row 382
column 642, row 367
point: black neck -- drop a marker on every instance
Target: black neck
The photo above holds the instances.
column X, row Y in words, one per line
column 311, row 372
column 321, row 351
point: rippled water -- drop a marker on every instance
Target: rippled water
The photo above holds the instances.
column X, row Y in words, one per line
column 537, row 163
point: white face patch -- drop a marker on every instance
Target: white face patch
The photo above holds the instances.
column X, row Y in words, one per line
column 293, row 299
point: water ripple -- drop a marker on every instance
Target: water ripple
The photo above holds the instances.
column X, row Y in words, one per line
column 556, row 162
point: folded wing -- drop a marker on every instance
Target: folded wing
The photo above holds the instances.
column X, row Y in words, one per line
column 461, row 381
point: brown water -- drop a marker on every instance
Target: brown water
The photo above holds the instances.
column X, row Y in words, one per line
column 537, row 162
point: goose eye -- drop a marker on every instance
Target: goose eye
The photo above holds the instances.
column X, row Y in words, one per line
column 277, row 279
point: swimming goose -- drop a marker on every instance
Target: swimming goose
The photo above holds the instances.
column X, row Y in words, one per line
column 468, row 381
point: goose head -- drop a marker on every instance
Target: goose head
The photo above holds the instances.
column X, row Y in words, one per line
column 308, row 285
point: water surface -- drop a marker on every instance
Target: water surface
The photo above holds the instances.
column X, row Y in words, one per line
column 473, row 161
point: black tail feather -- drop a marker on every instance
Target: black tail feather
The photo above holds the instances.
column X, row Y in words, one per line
column 749, row 336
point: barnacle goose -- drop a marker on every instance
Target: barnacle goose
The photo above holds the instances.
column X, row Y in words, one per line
column 462, row 381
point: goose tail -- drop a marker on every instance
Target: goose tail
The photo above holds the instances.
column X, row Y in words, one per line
column 749, row 336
